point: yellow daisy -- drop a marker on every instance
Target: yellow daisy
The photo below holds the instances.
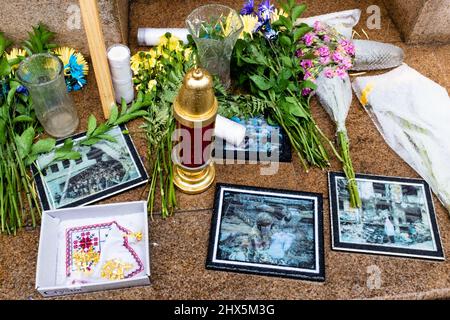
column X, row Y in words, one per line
column 64, row 54
column 250, row 22
column 277, row 13
column 14, row 54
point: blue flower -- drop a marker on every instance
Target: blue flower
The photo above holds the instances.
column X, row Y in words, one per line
column 265, row 10
column 22, row 90
column 74, row 75
column 248, row 7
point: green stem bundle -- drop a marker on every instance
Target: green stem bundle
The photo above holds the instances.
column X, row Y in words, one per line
column 355, row 200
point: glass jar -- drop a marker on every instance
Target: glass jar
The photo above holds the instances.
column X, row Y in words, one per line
column 43, row 75
column 215, row 48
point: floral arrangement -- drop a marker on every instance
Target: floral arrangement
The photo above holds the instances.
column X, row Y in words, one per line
column 324, row 50
column 159, row 73
column 75, row 68
column 19, row 130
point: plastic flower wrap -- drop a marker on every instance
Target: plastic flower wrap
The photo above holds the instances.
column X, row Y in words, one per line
column 75, row 68
column 412, row 113
column 326, row 56
column 335, row 95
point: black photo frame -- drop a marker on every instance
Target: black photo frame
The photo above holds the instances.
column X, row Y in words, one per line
column 407, row 204
column 301, row 262
column 137, row 177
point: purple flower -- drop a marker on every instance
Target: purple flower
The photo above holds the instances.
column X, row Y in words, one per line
column 308, row 38
column 306, row 91
column 306, row 64
column 326, row 38
column 324, row 51
column 337, row 57
column 248, row 7
column 329, row 73
column 265, row 10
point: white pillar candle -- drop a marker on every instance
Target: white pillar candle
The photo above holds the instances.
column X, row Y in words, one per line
column 230, row 131
column 122, row 76
column 150, row 36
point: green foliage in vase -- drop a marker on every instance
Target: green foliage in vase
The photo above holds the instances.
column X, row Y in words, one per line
column 39, row 40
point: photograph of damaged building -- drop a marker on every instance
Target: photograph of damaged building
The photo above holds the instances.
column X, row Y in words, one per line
column 393, row 214
column 270, row 230
column 101, row 167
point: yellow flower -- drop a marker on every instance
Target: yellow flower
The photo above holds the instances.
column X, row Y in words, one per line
column 277, row 13
column 172, row 43
column 250, row 22
column 14, row 54
column 187, row 54
column 151, row 84
column 64, row 54
column 136, row 61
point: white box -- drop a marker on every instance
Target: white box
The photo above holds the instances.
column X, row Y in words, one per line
column 46, row 270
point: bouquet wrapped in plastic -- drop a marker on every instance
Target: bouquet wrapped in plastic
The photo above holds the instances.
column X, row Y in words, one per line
column 412, row 113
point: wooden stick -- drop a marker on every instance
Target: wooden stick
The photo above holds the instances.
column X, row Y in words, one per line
column 96, row 42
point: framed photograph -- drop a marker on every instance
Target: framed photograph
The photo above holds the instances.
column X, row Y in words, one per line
column 104, row 169
column 396, row 218
column 267, row 232
column 263, row 142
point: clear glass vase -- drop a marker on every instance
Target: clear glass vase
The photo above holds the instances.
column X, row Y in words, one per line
column 215, row 29
column 43, row 75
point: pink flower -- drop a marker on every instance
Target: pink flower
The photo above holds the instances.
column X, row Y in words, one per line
column 324, row 60
column 341, row 72
column 329, row 73
column 299, row 53
column 337, row 57
column 306, row 91
column 347, row 63
column 306, row 64
column 350, row 49
column 317, row 26
column 326, row 38
column 307, row 76
column 309, row 38
column 324, row 51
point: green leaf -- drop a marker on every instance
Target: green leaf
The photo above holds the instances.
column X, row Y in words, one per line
column 43, row 146
column 292, row 106
column 92, row 124
column 90, row 141
column 102, row 128
column 297, row 12
column 30, row 159
column 286, row 61
column 5, row 68
column 285, row 41
column 24, row 142
column 67, row 146
column 308, row 84
column 23, row 118
column 131, row 116
column 70, row 155
column 2, row 131
column 113, row 114
column 300, row 32
column 107, row 137
column 124, row 107
column 286, row 22
column 261, row 82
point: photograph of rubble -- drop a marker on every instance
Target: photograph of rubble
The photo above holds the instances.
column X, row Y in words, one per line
column 104, row 169
column 263, row 142
column 267, row 231
column 396, row 217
